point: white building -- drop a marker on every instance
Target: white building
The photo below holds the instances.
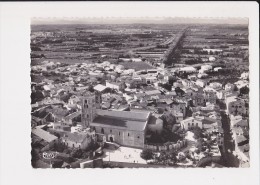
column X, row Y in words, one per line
column 205, row 68
column 245, row 76
column 215, row 85
column 190, row 123
column 229, row 87
column 201, row 83
column 188, row 69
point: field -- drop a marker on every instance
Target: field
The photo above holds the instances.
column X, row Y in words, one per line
column 136, row 65
column 62, row 61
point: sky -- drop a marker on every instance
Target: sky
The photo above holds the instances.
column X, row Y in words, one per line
column 143, row 20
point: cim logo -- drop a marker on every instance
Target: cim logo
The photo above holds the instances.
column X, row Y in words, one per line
column 50, row 155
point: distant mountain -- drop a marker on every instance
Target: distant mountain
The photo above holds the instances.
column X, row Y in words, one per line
column 142, row 20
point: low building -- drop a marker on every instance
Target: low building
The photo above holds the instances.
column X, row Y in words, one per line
column 200, row 122
column 191, row 123
column 72, row 118
column 188, row 69
column 229, row 87
column 117, row 86
column 80, row 140
column 44, row 135
column 238, row 121
column 100, row 88
column 152, row 92
column 178, row 107
column 201, row 83
column 236, row 106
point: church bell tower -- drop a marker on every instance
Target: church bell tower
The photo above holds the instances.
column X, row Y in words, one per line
column 90, row 104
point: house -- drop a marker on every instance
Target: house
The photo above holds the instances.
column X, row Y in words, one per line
column 59, row 114
column 211, row 97
column 60, row 127
column 229, row 87
column 78, row 140
column 152, row 92
column 191, row 123
column 139, row 96
column 186, row 83
column 244, row 76
column 188, row 69
column 74, row 100
column 236, row 106
column 199, row 100
column 201, row 83
column 179, row 116
column 190, row 93
column 202, row 75
column 150, row 79
column 117, row 86
column 211, row 124
column 220, row 94
column 238, row 121
column 200, row 122
column 73, row 117
column 215, row 85
column 42, row 116
column 44, row 135
column 100, row 88
column 216, row 69
column 205, row 68
column 178, row 106
column 192, row 77
column 242, row 83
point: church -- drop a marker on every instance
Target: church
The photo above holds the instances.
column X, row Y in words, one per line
column 125, row 128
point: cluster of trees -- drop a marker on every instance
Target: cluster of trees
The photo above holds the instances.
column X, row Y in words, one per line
column 162, row 46
column 244, row 90
column 37, row 56
column 147, row 154
column 174, row 51
column 165, row 158
column 193, row 61
column 49, row 41
column 76, row 152
column 34, row 48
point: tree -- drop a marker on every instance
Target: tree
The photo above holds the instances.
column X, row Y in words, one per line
column 91, row 88
column 197, row 132
column 168, row 120
column 235, row 88
column 244, row 90
column 77, row 153
column 147, row 154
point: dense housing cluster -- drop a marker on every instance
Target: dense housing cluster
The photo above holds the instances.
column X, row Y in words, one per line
column 139, row 95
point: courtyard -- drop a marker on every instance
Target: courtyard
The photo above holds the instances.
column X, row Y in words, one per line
column 124, row 154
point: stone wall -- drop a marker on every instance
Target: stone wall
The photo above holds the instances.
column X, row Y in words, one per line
column 167, row 146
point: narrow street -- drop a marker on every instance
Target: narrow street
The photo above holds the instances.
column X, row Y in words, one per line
column 228, row 142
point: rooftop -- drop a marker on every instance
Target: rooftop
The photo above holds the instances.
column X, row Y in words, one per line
column 135, row 121
column 153, row 92
column 100, row 87
column 75, row 137
column 73, row 115
column 43, row 134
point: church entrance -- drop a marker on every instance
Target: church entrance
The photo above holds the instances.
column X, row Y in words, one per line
column 111, row 139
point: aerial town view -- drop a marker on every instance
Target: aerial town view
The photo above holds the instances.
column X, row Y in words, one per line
column 162, row 94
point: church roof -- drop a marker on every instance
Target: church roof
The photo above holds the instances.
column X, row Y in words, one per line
column 129, row 120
